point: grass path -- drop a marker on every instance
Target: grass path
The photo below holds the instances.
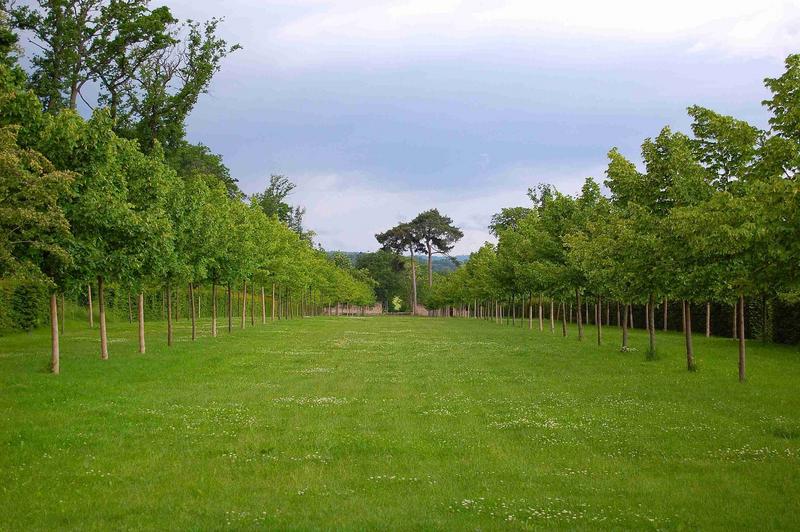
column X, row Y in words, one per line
column 395, row 423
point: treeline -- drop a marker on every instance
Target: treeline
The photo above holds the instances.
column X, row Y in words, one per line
column 712, row 221
column 121, row 199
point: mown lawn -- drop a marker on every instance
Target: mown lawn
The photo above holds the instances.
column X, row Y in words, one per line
column 395, row 423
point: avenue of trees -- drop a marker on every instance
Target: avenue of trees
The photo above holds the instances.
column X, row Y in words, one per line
column 121, row 201
column 712, row 220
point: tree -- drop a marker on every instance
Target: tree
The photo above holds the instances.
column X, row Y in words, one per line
column 507, row 218
column 82, row 41
column 399, row 239
column 35, row 232
column 169, row 83
column 197, row 161
column 436, row 234
column 273, row 202
column 387, row 269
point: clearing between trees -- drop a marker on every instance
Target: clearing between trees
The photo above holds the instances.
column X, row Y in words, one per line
column 394, row 423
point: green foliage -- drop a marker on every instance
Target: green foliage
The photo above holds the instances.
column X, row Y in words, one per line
column 34, row 232
column 23, row 304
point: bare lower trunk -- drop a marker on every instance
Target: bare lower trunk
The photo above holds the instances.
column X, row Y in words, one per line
column 687, row 328
column 740, row 330
column 230, row 309
column 578, row 313
column 619, row 317
column 61, row 314
column 244, row 304
column 263, row 306
column 54, row 349
column 430, row 267
column 564, row 319
column 169, row 315
column 683, row 315
column 91, row 308
column 530, row 313
column 413, row 284
column 708, row 319
column 552, row 319
column 666, row 310
column 541, row 317
column 252, row 306
column 598, row 318
column 625, row 327
column 272, row 305
column 140, row 315
column 651, row 324
column 101, row 299
column 192, row 314
column 213, row 310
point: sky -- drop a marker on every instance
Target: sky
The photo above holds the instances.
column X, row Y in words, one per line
column 380, row 109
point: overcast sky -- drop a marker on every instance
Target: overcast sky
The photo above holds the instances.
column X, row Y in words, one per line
column 381, row 109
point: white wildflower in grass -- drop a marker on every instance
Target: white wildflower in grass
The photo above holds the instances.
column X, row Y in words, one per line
column 312, row 401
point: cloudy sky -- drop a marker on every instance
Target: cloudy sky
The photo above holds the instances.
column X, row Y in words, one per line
column 379, row 109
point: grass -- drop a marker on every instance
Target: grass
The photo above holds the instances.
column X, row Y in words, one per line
column 395, row 423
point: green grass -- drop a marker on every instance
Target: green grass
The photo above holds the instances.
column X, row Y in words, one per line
column 395, row 423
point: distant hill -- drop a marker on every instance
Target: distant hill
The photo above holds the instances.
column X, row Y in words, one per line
column 440, row 263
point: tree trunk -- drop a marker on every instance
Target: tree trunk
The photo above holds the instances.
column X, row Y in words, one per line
column 213, row 309
column 541, row 317
column 263, row 306
column 740, row 313
column 252, row 306
column 708, row 319
column 169, row 315
column 687, row 328
column 666, row 309
column 230, row 309
column 647, row 316
column 243, row 301
column 683, row 315
column 552, row 320
column 413, row 283
column 430, row 266
column 651, row 325
column 513, row 311
column 734, row 331
column 140, row 316
column 625, row 327
column 272, row 305
column 630, row 315
column 101, row 299
column 54, row 349
column 530, row 312
column 62, row 314
column 598, row 318
column 619, row 317
column 564, row 319
column 193, row 316
column 578, row 313
column 91, row 308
